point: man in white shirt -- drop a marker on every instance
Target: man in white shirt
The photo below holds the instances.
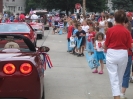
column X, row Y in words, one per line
column 34, row 17
column 111, row 19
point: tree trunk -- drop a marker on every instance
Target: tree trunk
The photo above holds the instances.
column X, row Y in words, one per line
column 84, row 8
column 67, row 12
column 1, row 6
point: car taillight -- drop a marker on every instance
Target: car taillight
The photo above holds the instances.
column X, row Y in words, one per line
column 25, row 68
column 26, row 35
column 9, row 68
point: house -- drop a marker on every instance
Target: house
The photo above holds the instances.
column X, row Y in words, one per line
column 14, row 6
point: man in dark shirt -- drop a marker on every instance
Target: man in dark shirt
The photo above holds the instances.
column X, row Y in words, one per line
column 81, row 34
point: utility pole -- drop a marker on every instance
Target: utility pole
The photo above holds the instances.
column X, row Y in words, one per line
column 1, row 6
column 84, row 8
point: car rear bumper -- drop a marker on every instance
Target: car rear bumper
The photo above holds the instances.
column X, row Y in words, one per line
column 12, row 98
column 20, row 88
column 39, row 32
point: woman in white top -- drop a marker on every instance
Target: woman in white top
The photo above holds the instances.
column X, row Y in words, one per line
column 102, row 25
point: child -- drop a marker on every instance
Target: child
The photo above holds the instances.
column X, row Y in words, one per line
column 61, row 26
column 90, row 41
column 81, row 34
column 98, row 46
column 75, row 50
column 69, row 34
column 108, row 25
column 97, row 30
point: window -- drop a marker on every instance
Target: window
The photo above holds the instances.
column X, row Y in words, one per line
column 13, row 0
column 21, row 8
column 18, row 8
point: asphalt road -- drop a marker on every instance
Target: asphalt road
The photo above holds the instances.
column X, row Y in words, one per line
column 71, row 78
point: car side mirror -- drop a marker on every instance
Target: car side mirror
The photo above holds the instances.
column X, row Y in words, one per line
column 44, row 49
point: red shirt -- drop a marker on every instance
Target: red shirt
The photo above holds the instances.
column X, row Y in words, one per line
column 118, row 37
column 6, row 21
column 70, row 30
column 16, row 20
column 91, row 36
column 22, row 17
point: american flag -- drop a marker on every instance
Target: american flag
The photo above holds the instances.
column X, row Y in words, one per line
column 47, row 61
column 47, row 58
column 31, row 11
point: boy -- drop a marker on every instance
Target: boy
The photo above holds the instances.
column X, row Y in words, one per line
column 81, row 34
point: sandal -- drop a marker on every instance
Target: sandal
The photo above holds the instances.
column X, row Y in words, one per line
column 101, row 72
column 95, row 71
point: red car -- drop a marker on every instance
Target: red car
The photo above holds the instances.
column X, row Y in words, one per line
column 19, row 28
column 21, row 68
column 38, row 28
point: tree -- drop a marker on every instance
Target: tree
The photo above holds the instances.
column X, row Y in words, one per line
column 84, row 8
column 123, row 4
column 33, row 4
column 96, row 5
column 67, row 5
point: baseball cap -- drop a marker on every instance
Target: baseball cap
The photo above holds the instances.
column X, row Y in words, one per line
column 129, row 14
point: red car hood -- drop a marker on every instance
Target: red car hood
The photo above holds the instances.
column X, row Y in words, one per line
column 16, row 56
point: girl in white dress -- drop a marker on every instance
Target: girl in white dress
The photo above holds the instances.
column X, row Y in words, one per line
column 98, row 46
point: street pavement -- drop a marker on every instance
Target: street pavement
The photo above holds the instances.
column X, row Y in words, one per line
column 71, row 78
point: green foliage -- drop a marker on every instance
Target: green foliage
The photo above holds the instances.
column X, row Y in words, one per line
column 33, row 4
column 123, row 4
column 96, row 5
column 68, row 5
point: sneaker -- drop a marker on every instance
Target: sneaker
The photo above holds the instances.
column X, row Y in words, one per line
column 131, row 80
column 95, row 71
column 82, row 54
column 122, row 97
column 79, row 55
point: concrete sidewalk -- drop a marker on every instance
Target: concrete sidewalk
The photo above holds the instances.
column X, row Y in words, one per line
column 71, row 78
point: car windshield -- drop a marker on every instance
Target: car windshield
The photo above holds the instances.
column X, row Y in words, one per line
column 14, row 28
column 10, row 43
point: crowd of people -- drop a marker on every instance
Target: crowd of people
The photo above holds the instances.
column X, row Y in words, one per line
column 6, row 17
column 110, row 36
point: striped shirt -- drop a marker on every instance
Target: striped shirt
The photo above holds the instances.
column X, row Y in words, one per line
column 61, row 24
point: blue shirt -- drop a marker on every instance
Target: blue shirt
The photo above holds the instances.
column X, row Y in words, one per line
column 75, row 31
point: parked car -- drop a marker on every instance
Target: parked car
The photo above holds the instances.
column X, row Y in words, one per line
column 21, row 68
column 38, row 27
column 19, row 28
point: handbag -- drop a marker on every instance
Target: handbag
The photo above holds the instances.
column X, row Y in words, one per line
column 79, row 42
column 60, row 31
column 92, row 60
column 72, row 42
column 89, row 46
